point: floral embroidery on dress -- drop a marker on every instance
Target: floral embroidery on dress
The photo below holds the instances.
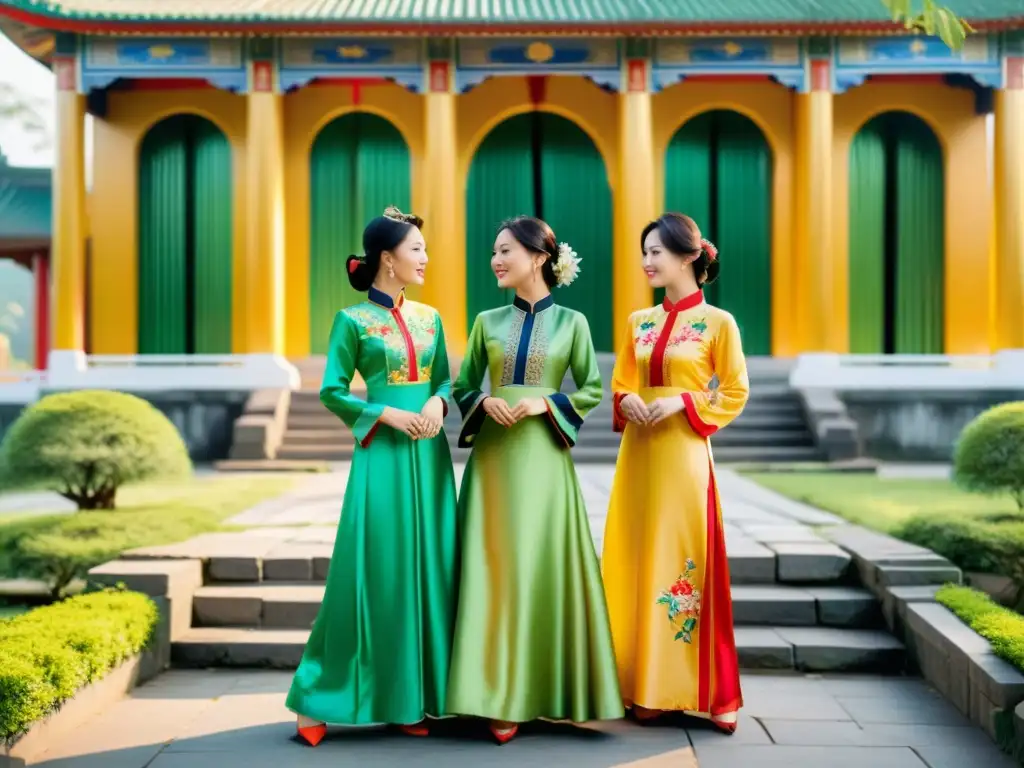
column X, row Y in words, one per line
column 380, row 323
column 683, row 602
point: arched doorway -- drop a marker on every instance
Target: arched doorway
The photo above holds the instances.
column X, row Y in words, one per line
column 185, row 238
column 718, row 169
column 897, row 243
column 543, row 165
column 359, row 165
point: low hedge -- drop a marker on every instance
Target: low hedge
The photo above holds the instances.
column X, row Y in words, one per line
column 1003, row 628
column 991, row 543
column 48, row 654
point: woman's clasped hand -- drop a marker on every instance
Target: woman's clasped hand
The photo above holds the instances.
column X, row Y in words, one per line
column 648, row 414
column 423, row 425
column 507, row 415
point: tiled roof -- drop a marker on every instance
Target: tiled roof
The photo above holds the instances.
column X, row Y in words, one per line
column 499, row 12
column 25, row 205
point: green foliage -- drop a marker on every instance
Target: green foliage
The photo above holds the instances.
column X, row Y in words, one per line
column 1003, row 628
column 85, row 445
column 61, row 548
column 930, row 18
column 23, row 112
column 49, row 653
column 989, row 455
column 987, row 544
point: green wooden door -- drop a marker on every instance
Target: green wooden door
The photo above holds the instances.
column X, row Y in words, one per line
column 542, row 165
column 718, row 171
column 359, row 165
column 500, row 186
column 743, row 229
column 896, row 238
column 689, row 176
column 867, row 239
column 210, row 191
column 163, row 240
column 576, row 201
column 185, row 238
column 919, row 241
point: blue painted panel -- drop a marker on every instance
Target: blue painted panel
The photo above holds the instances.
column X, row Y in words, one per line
column 481, row 58
column 303, row 60
column 219, row 61
column 856, row 59
column 675, row 59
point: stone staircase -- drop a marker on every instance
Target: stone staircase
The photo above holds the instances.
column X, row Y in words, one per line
column 772, row 428
column 797, row 602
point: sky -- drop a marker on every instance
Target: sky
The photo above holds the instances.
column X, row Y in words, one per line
column 33, row 79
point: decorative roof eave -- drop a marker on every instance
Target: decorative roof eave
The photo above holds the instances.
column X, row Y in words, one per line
column 242, row 26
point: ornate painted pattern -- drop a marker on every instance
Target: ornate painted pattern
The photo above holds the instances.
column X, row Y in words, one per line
column 682, row 601
column 377, row 323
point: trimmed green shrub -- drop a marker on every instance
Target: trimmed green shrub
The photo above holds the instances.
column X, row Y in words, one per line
column 85, row 445
column 984, row 544
column 48, row 654
column 1003, row 628
column 989, row 456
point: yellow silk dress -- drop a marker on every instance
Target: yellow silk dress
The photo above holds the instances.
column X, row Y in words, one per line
column 665, row 570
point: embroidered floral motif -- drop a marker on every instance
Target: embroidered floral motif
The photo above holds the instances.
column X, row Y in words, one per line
column 380, row 323
column 508, row 368
column 537, row 354
column 683, row 602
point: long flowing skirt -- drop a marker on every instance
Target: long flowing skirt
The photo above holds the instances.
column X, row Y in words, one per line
column 666, row 574
column 532, row 638
column 380, row 648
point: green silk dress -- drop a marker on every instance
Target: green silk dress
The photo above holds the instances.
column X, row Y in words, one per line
column 532, row 637
column 380, row 648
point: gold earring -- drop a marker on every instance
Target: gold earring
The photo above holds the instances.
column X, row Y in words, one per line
column 391, row 271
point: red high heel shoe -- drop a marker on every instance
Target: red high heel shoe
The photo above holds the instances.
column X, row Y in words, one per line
column 419, row 729
column 504, row 735
column 312, row 734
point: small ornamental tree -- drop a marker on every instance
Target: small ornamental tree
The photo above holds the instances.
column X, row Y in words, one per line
column 87, row 444
column 989, row 455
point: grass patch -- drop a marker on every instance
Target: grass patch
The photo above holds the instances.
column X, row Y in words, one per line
column 48, row 654
column 61, row 547
column 1003, row 628
column 884, row 504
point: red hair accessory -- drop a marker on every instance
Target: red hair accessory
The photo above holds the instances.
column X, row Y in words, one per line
column 709, row 248
column 353, row 265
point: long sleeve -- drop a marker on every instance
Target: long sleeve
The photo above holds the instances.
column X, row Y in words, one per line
column 440, row 371
column 361, row 417
column 625, row 379
column 707, row 412
column 466, row 391
column 567, row 412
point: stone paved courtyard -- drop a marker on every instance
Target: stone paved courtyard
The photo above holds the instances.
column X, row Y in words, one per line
column 224, row 717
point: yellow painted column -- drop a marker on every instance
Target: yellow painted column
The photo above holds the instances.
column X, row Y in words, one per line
column 445, row 287
column 813, row 219
column 1009, row 172
column 635, row 198
column 264, row 274
column 69, row 224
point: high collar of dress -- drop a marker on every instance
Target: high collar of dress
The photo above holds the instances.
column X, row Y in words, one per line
column 384, row 300
column 687, row 302
column 540, row 306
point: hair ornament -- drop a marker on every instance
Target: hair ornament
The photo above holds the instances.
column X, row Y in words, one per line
column 567, row 266
column 354, row 263
column 709, row 248
column 393, row 213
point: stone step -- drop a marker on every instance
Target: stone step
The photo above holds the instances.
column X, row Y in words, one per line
column 779, row 605
column 333, row 438
column 807, row 649
column 294, row 606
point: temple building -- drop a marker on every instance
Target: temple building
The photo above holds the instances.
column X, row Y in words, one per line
column 865, row 186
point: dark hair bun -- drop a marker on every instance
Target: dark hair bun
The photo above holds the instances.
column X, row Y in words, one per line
column 359, row 274
column 711, row 271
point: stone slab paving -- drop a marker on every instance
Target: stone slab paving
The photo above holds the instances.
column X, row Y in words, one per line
column 223, row 718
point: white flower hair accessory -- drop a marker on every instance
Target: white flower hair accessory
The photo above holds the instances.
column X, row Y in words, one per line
column 567, row 267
